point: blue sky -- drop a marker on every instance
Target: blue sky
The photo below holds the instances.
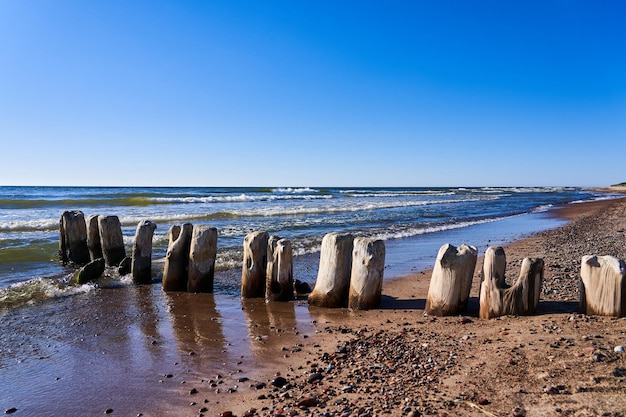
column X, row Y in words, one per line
column 312, row 93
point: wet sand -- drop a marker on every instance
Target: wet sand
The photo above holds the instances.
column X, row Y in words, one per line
column 137, row 351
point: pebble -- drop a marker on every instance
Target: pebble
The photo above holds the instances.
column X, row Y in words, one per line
column 618, row 349
column 279, row 382
column 10, row 410
column 315, row 378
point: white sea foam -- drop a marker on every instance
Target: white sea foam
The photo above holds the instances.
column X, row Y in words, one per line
column 432, row 229
column 295, row 190
column 599, row 198
column 28, row 225
column 543, row 208
column 39, row 289
column 242, row 198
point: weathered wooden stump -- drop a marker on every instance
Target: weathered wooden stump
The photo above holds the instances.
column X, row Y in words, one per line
column 202, row 254
column 603, row 286
column 366, row 278
column 90, row 272
column 254, row 265
column 73, row 238
column 111, row 239
column 271, row 268
column 333, row 277
column 521, row 299
column 177, row 258
column 93, row 238
column 451, row 280
column 279, row 284
column 141, row 266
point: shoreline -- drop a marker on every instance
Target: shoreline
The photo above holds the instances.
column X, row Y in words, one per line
column 570, row 355
column 180, row 354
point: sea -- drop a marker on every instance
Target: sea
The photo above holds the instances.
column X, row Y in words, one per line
column 405, row 218
column 110, row 345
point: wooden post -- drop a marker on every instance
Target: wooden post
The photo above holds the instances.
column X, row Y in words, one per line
column 451, row 280
column 366, row 278
column 93, row 238
column 111, row 239
column 279, row 285
column 603, row 286
column 254, row 265
column 271, row 270
column 73, row 238
column 141, row 266
column 202, row 254
column 522, row 298
column 177, row 258
column 333, row 277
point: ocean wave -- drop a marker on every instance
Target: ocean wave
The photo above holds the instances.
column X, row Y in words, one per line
column 29, row 225
column 294, row 190
column 392, row 194
column 251, row 211
column 600, row 197
column 241, row 198
column 40, row 289
column 395, row 193
column 432, row 229
column 75, row 202
column 520, row 190
column 543, row 208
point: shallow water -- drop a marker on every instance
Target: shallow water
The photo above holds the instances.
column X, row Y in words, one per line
column 404, row 218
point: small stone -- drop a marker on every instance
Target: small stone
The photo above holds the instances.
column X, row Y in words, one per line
column 315, row 378
column 193, row 391
column 618, row 349
column 226, row 414
column 518, row 412
column 108, row 411
column 483, row 401
column 307, row 402
column 279, row 382
column 10, row 410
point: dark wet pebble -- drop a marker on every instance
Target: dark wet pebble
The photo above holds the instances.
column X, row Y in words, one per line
column 10, row 410
column 108, row 411
column 193, row 391
column 279, row 382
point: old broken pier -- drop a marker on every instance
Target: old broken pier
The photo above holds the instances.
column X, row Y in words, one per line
column 350, row 272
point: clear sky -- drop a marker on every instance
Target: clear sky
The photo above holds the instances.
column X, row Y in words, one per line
column 312, row 93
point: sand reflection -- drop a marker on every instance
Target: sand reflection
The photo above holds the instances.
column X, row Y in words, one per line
column 196, row 323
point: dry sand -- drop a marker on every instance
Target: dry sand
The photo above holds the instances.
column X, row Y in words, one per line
column 397, row 361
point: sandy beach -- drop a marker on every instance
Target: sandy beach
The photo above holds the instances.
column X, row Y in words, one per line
column 182, row 354
column 396, row 361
